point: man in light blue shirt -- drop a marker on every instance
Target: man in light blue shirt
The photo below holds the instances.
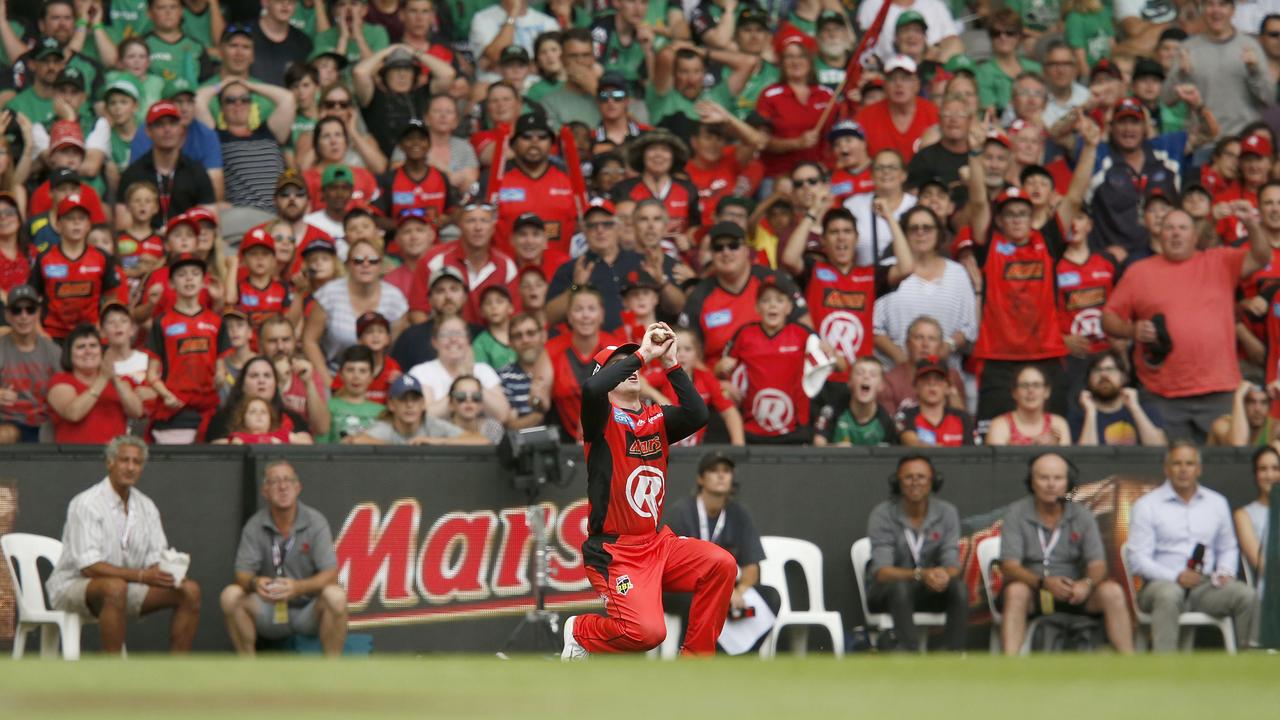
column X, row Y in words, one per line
column 1165, row 527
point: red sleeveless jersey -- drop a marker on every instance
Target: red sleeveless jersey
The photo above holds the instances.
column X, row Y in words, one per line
column 1083, row 290
column 841, row 306
column 261, row 303
column 774, row 402
column 188, row 349
column 1019, row 311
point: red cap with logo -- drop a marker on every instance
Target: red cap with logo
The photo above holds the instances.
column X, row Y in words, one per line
column 255, row 238
column 203, row 214
column 599, row 204
column 162, row 109
column 999, row 138
column 65, row 133
column 1256, row 144
column 603, row 357
column 1128, row 107
column 74, row 201
column 183, row 219
column 1012, row 194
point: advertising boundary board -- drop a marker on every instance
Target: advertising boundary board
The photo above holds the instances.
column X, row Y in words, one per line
column 451, row 573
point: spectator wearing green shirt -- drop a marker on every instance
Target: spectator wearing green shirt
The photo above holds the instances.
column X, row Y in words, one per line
column 1089, row 31
column 623, row 41
column 202, row 20
column 493, row 345
column 350, row 36
column 237, row 58
column 304, row 82
column 351, row 412
column 1039, row 18
column 120, row 102
column 996, row 75
column 677, row 85
column 173, row 53
column 754, row 39
column 135, row 59
column 89, row 35
column 35, row 102
column 129, row 18
column 862, row 422
column 1147, row 81
column 548, row 64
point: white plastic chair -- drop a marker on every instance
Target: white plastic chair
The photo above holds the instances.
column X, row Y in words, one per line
column 25, row 550
column 988, row 551
column 1187, row 621
column 877, row 623
column 778, row 552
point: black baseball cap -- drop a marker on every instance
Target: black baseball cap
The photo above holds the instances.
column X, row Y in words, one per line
column 1146, row 67
column 638, row 280
column 63, row 176
column 513, row 54
column 726, row 229
column 24, row 293
column 414, row 125
column 753, row 14
column 712, row 459
column 528, row 220
column 531, row 122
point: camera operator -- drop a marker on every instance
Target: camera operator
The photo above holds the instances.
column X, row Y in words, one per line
column 715, row 516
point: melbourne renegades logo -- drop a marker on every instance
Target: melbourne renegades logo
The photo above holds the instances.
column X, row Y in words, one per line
column 646, row 487
column 843, row 331
column 1088, row 323
column 773, row 410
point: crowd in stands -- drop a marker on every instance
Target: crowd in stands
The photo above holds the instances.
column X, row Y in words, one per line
column 411, row 222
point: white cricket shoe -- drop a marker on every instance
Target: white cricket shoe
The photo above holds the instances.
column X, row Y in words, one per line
column 572, row 650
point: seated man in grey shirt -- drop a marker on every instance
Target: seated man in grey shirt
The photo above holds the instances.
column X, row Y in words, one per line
column 915, row 555
column 1052, row 558
column 286, row 572
column 406, row 421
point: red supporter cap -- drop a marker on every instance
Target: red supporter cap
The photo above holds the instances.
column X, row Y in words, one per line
column 183, row 219
column 999, row 138
column 203, row 214
column 1256, row 144
column 930, row 365
column 791, row 35
column 65, row 132
column 1128, row 107
column 74, row 201
column 1019, row 125
column 603, row 357
column 257, row 237
column 599, row 204
column 1011, row 194
column 162, row 109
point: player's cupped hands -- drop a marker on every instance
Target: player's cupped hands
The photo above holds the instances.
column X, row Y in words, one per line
column 658, row 339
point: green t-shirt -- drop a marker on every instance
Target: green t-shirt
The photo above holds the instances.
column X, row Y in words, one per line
column 199, row 26
column 348, row 418
column 828, row 75
column 996, row 88
column 149, row 90
column 304, row 18
column 1092, row 33
column 661, row 106
column 808, row 27
column 541, row 89
column 129, row 18
column 626, row 60
column 120, row 149
column 1173, row 117
column 36, row 109
column 1038, row 15
column 489, row 351
column 876, row 432
column 745, row 103
column 179, row 59
column 258, row 114
column 301, row 126
column 375, row 35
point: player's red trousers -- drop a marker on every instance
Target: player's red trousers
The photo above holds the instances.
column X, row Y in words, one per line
column 641, row 569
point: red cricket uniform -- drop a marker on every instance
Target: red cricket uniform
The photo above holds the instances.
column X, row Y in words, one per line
column 845, row 185
column 261, row 303
column 500, row 270
column 401, row 192
column 381, row 382
column 708, row 388
column 74, row 288
column 882, row 134
column 160, row 276
column 954, row 430
column 1230, row 229
column 716, row 314
column 1019, row 312
column 679, row 197
column 1082, row 293
column 484, row 138
column 1257, row 284
column 42, row 202
column 629, row 561
column 715, row 182
column 774, row 403
column 549, row 196
column 187, row 346
column 842, row 305
column 130, row 249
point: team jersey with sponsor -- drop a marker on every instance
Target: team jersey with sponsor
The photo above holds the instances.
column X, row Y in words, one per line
column 953, row 430
column 845, row 185
column 261, row 303
column 842, row 305
column 500, row 270
column 626, row 451
column 187, row 346
column 716, row 314
column 1019, row 311
column 130, row 250
column 549, row 196
column 1083, row 290
column 708, row 387
column 74, row 288
column 716, row 182
column 677, row 195
column 400, row 192
column 774, row 401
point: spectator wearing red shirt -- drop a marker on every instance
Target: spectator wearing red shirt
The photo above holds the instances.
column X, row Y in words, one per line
column 572, row 354
column 532, row 183
column 90, row 403
column 1224, row 167
column 898, row 121
column 501, row 111
column 415, row 234
column 852, row 174
column 474, row 255
column 416, row 183
column 719, row 168
column 529, row 246
column 1183, row 338
column 932, row 422
column 794, row 107
column 1256, row 160
column 73, row 276
column 185, row 342
column 16, row 252
column 713, row 392
column 656, row 156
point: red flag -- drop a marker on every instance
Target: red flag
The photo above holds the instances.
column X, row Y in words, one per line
column 498, row 166
column 574, row 166
column 853, row 72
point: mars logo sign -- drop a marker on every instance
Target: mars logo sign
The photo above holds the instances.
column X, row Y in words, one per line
column 465, row 564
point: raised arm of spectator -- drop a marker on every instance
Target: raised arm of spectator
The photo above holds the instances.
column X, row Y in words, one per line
column 280, row 121
column 664, row 64
column 1073, row 201
column 1140, row 36
column 721, row 36
column 14, row 48
column 1239, row 428
column 493, row 48
column 906, row 262
column 363, row 72
column 442, row 73
column 312, row 332
column 203, row 96
column 979, row 204
column 676, row 27
column 1259, row 247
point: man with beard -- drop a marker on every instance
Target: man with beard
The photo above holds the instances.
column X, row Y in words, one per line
column 291, row 207
column 863, row 421
column 302, row 391
column 834, row 44
column 447, row 293
column 532, row 183
column 1111, row 413
column 527, row 381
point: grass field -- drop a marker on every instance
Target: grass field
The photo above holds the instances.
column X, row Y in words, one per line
column 1203, row 686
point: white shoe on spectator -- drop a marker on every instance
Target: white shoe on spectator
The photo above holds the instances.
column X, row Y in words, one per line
column 572, row 650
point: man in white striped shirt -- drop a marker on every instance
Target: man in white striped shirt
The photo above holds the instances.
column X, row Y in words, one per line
column 111, row 549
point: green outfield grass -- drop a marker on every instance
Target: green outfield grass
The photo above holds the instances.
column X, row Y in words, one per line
column 1081, row 687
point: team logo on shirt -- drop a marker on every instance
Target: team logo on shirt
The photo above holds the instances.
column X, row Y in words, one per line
column 621, row 417
column 1006, row 248
column 623, row 584
column 1086, row 298
column 511, row 194
column 193, row 346
column 1088, row 323
column 847, row 300
column 719, row 318
column 773, row 410
column 250, row 300
column 80, row 289
column 843, row 331
column 646, row 486
column 1068, row 279
column 55, row 271
column 1024, row 270
column 649, row 446
column 826, row 274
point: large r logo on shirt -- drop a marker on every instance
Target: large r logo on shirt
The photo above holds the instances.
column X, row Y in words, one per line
column 773, row 410
column 843, row 331
column 645, row 488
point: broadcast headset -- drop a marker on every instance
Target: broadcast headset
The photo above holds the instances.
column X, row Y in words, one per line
column 895, row 487
column 1073, row 472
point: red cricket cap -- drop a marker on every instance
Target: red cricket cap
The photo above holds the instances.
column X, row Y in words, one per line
column 163, row 109
column 257, row 237
column 74, row 201
column 603, row 357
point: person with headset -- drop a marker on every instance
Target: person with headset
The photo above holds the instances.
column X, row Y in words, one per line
column 915, row 555
column 1052, row 558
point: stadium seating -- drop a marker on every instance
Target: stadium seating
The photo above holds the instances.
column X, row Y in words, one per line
column 778, row 552
column 1187, row 621
column 988, row 555
column 22, row 554
column 877, row 623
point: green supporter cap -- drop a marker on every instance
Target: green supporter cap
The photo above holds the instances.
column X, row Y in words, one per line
column 328, row 50
column 177, row 86
column 122, row 86
column 959, row 64
column 908, row 17
column 337, row 174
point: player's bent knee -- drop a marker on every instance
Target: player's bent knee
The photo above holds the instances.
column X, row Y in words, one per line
column 112, row 591
column 650, row 634
column 726, row 566
column 1109, row 592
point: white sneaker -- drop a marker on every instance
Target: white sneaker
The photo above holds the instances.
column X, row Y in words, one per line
column 572, row 650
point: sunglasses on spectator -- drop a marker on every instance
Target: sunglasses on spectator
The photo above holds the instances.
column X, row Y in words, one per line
column 24, row 309
column 801, row 182
column 721, row 247
column 617, row 95
column 236, row 100
column 365, row 261
column 468, row 397
column 601, row 224
column 476, row 206
column 337, row 104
